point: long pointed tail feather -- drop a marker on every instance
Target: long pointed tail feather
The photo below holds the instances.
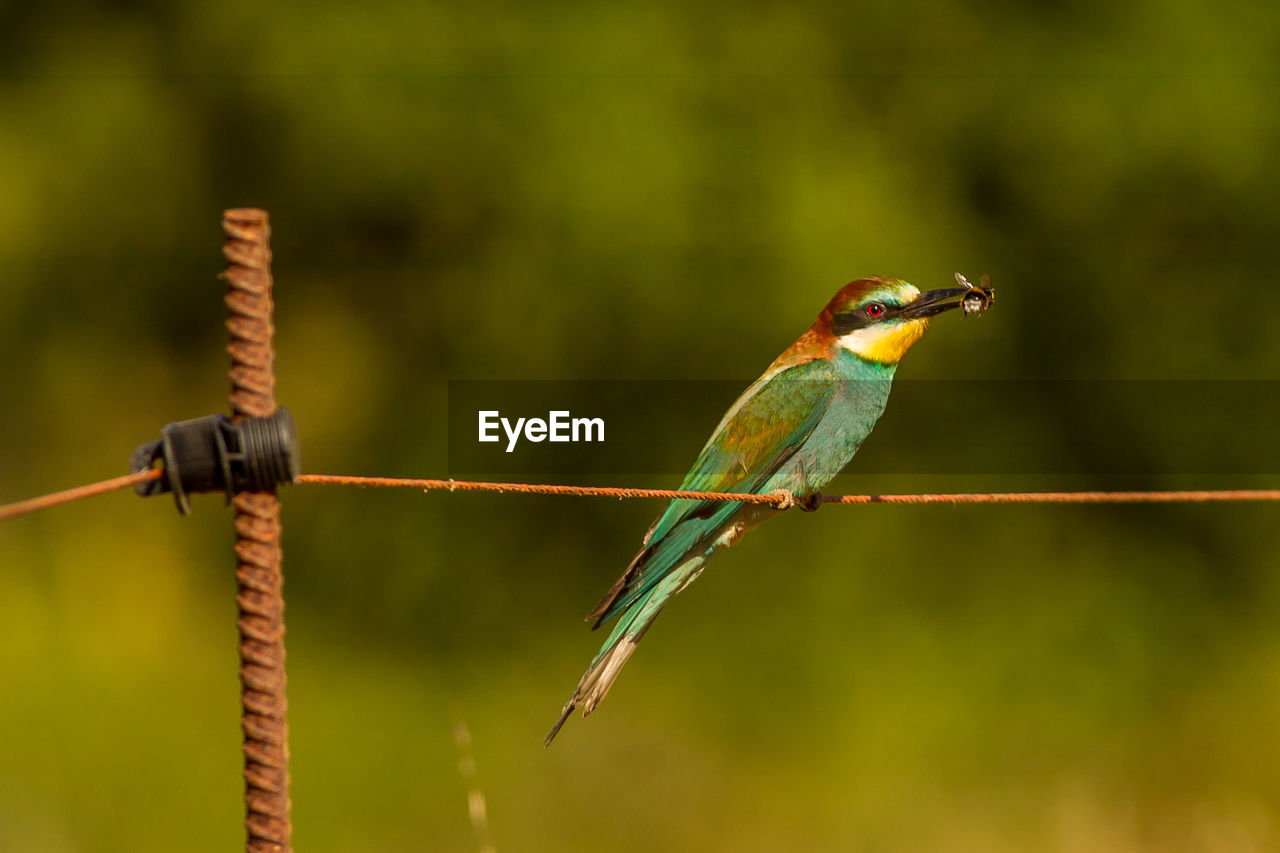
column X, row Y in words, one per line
column 599, row 677
column 617, row 649
column 555, row 730
column 595, row 683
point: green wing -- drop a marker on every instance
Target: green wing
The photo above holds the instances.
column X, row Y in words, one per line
column 761, row 431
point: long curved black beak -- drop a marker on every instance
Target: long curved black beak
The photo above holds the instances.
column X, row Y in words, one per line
column 936, row 301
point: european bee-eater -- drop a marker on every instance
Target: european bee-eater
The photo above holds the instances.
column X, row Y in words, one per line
column 795, row 428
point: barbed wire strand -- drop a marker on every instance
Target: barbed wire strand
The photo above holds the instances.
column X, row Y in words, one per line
column 620, row 493
column 259, row 580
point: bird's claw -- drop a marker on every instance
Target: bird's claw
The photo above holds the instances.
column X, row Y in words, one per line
column 808, row 503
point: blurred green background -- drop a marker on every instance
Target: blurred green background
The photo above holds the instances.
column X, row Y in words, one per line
column 639, row 191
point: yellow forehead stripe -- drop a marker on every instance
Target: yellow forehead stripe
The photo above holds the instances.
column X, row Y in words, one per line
column 886, row 344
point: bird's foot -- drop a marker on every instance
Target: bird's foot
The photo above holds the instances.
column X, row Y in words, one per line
column 808, row 503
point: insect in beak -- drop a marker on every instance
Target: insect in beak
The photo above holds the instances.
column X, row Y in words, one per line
column 978, row 298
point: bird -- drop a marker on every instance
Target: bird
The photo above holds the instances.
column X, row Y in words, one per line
column 790, row 433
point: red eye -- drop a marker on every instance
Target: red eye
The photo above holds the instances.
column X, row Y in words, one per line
column 875, row 309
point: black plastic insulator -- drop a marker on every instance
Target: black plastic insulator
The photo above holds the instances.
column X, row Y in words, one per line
column 217, row 454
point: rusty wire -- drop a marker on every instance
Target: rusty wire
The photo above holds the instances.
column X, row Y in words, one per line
column 782, row 499
column 260, row 583
column 776, row 499
column 68, row 495
column 1150, row 497
column 532, row 488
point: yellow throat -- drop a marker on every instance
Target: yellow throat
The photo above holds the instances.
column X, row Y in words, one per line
column 884, row 344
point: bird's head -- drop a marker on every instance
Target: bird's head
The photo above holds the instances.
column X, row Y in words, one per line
column 878, row 319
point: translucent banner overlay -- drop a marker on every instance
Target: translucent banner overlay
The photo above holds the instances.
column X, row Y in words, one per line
column 1140, row 427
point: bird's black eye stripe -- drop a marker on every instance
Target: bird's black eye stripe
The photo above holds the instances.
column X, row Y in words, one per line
column 857, row 318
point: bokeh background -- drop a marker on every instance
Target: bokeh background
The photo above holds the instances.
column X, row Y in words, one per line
column 636, row 191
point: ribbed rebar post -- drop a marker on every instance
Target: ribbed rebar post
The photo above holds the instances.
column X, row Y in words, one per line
column 260, row 593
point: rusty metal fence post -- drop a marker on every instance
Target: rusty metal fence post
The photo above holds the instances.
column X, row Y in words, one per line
column 260, row 583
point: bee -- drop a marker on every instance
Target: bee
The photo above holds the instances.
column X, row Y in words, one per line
column 979, row 298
